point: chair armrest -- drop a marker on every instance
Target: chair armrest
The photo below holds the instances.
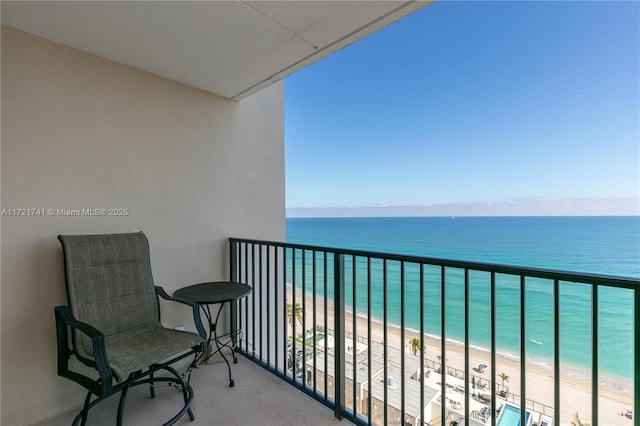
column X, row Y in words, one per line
column 64, row 320
column 65, row 315
column 197, row 319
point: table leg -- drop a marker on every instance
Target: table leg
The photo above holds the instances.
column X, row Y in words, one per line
column 220, row 345
column 213, row 337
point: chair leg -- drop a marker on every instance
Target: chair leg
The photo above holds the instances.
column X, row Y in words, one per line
column 152, row 388
column 192, row 366
column 123, row 400
column 187, row 393
column 84, row 413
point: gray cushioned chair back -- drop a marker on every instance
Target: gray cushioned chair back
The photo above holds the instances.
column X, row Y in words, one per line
column 109, row 283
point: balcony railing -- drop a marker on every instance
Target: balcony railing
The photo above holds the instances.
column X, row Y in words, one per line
column 341, row 326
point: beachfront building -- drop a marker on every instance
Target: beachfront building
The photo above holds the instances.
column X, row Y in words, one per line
column 403, row 389
column 394, row 396
column 319, row 370
column 395, row 393
column 374, row 389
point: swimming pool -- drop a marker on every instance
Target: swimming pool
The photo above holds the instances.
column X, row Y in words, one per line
column 510, row 416
column 309, row 339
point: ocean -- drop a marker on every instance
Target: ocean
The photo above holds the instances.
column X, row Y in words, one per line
column 598, row 245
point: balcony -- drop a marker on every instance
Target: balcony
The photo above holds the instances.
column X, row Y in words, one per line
column 378, row 367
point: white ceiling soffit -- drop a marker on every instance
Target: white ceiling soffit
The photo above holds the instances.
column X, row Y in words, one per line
column 230, row 48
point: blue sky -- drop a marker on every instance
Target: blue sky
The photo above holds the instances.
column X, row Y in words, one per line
column 465, row 105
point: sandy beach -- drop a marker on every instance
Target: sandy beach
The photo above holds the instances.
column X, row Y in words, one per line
column 575, row 387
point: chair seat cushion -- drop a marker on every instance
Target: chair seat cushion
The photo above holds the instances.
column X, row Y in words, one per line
column 139, row 348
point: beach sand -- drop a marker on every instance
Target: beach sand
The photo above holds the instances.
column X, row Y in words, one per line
column 575, row 387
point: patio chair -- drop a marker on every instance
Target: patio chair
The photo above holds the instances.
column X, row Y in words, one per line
column 114, row 319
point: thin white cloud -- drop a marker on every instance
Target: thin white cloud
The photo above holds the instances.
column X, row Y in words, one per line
column 526, row 206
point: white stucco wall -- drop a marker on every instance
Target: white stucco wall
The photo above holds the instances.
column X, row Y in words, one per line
column 79, row 131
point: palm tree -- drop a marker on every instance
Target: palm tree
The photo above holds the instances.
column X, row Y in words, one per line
column 504, row 378
column 439, row 358
column 294, row 313
column 415, row 345
column 578, row 422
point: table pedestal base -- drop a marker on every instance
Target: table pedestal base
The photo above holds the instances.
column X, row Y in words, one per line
column 218, row 293
column 229, row 342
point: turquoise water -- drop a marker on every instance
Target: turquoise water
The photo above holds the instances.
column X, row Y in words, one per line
column 510, row 416
column 600, row 245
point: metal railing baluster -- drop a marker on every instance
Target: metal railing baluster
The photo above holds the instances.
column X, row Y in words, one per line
column 326, row 335
column 275, row 308
column 422, row 377
column 233, row 275
column 246, row 299
column 556, row 352
column 354, row 321
column 260, row 302
column 304, row 317
column 402, row 343
column 443, row 340
column 594, row 355
column 268, row 265
column 523, row 353
column 636, row 362
column 466, row 347
column 315, row 319
column 294, row 315
column 285, row 337
column 339, row 293
column 386, row 341
column 369, row 339
column 493, row 349
column 253, row 297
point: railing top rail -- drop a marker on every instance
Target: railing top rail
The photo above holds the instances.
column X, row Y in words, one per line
column 586, row 278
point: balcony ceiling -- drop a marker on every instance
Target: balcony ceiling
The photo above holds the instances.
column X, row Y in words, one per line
column 229, row 48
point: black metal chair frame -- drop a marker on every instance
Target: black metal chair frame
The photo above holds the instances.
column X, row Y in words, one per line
column 103, row 387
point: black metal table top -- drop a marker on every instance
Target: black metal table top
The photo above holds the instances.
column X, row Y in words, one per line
column 213, row 292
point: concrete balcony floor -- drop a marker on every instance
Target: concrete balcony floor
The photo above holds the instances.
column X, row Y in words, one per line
column 258, row 398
